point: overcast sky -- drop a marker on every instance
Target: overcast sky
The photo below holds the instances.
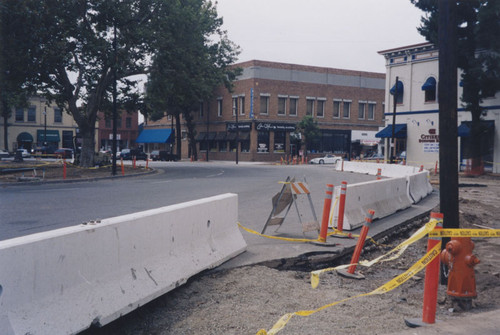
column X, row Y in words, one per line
column 345, row 34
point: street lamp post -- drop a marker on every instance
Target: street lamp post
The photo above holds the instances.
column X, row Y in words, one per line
column 45, row 126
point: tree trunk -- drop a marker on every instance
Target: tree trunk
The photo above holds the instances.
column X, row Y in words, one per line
column 87, row 153
column 178, row 134
column 5, row 134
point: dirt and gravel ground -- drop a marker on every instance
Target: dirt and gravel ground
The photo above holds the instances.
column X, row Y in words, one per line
column 244, row 300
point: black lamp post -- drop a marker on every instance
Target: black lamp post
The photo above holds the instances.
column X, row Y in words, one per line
column 45, row 127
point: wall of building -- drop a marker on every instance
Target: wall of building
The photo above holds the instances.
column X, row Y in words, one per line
column 34, row 123
column 413, row 65
column 285, row 84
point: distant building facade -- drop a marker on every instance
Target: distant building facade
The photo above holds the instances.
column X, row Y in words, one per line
column 417, row 109
column 127, row 130
column 39, row 125
column 268, row 101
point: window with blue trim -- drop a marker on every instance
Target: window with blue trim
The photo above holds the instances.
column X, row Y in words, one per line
column 429, row 87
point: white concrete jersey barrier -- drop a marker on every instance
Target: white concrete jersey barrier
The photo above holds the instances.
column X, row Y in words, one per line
column 387, row 170
column 419, row 186
column 385, row 197
column 59, row 282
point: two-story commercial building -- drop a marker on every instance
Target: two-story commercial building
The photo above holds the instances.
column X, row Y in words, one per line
column 269, row 99
column 417, row 109
column 39, row 125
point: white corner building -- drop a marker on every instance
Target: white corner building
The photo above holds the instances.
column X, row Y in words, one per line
column 417, row 110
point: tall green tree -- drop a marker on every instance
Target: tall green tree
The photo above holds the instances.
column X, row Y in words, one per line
column 15, row 58
column 192, row 58
column 309, row 129
column 74, row 57
column 478, row 45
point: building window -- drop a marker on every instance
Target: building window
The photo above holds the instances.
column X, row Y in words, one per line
column 118, row 123
column 293, row 106
column 264, row 104
column 219, row 107
column 400, row 91
column 184, row 135
column 32, row 114
column 201, row 110
column 429, row 88
column 242, row 106
column 320, row 111
column 128, row 122
column 57, row 115
column 263, row 142
column 107, row 123
column 279, row 141
column 235, row 105
column 361, row 110
column 336, row 108
column 19, row 115
column 371, row 110
column 310, row 107
column 281, row 105
column 346, row 111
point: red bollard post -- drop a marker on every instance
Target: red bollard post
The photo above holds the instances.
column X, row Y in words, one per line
column 379, row 174
column 431, row 283
column 147, row 163
column 340, row 221
column 133, row 160
column 326, row 213
column 357, row 251
column 64, row 168
column 342, row 165
column 123, row 168
column 436, row 168
column 421, row 168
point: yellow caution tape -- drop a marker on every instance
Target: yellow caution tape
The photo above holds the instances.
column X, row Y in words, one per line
column 465, row 233
column 390, row 285
column 397, row 251
column 276, row 237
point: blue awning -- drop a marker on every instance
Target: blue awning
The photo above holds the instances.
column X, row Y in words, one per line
column 154, row 136
column 400, row 88
column 464, row 128
column 429, row 85
column 399, row 131
column 24, row 137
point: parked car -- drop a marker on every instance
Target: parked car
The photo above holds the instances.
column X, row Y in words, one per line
column 128, row 154
column 24, row 153
column 64, row 153
column 4, row 153
column 375, row 156
column 44, row 151
column 160, row 155
column 328, row 159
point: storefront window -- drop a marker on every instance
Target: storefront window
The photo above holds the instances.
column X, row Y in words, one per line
column 263, row 142
column 222, row 146
column 279, row 141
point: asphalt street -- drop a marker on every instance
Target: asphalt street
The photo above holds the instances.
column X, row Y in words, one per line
column 28, row 209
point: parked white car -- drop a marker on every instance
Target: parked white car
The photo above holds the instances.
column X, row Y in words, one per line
column 24, row 153
column 328, row 159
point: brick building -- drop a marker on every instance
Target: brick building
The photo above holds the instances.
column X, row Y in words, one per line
column 270, row 99
column 127, row 131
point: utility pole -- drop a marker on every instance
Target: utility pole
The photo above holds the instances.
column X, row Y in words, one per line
column 113, row 171
column 393, row 153
column 448, row 134
column 235, row 108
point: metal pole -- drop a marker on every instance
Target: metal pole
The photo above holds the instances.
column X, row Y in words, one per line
column 45, row 127
column 237, row 128
column 448, row 134
column 393, row 153
column 208, row 121
column 114, row 102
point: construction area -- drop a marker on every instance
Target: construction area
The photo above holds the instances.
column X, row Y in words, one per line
column 244, row 299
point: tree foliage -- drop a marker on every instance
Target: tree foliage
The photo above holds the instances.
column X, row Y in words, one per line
column 478, row 25
column 15, row 54
column 192, row 58
column 309, row 129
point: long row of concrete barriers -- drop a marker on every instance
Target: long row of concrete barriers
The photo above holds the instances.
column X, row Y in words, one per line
column 62, row 281
column 404, row 186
